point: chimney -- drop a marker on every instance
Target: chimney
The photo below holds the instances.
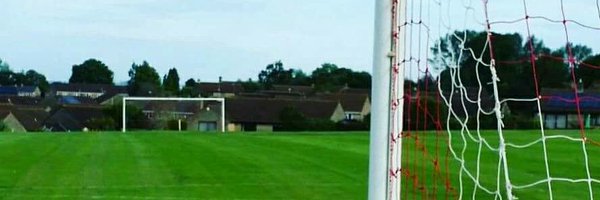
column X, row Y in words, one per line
column 220, row 81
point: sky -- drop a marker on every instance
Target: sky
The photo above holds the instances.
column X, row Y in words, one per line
column 235, row 39
column 203, row 39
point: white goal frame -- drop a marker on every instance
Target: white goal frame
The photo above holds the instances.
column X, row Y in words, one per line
column 125, row 99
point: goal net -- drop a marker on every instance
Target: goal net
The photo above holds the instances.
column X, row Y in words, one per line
column 480, row 99
column 175, row 114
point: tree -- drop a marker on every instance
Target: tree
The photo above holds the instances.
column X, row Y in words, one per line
column 250, row 85
column 144, row 80
column 457, row 48
column 4, row 66
column 190, row 89
column 91, row 71
column 29, row 78
column 292, row 119
column 275, row 74
column 300, row 78
column 330, row 77
column 171, row 82
column 32, row 77
column 134, row 115
column 588, row 74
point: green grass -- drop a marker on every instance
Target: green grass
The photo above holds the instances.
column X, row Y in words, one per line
column 526, row 166
column 266, row 166
column 183, row 166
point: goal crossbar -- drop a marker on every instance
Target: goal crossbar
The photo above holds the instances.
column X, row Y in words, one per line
column 125, row 99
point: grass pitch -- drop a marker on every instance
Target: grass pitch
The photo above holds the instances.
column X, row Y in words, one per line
column 183, row 166
column 526, row 166
column 267, row 166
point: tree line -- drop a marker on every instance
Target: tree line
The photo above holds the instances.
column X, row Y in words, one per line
column 24, row 78
column 144, row 80
column 521, row 63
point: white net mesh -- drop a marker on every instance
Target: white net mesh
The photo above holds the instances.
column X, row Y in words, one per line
column 462, row 89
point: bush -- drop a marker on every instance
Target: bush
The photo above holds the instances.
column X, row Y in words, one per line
column 2, row 126
column 353, row 125
column 292, row 120
column 320, row 125
column 135, row 117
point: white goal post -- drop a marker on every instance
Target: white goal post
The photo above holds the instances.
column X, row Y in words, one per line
column 125, row 99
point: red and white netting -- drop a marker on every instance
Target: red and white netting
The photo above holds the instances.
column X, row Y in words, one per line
column 440, row 146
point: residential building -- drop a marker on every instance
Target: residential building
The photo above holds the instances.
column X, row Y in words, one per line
column 561, row 111
column 70, row 118
column 21, row 91
column 85, row 90
column 10, row 122
column 356, row 106
column 262, row 114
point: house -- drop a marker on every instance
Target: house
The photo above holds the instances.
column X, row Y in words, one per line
column 560, row 110
column 113, row 97
column 20, row 101
column 29, row 91
column 348, row 90
column 208, row 119
column 69, row 118
column 85, row 90
column 262, row 114
column 356, row 106
column 23, row 118
column 298, row 90
column 21, row 91
column 10, row 122
column 87, row 94
column 171, row 109
column 32, row 118
column 194, row 115
column 221, row 89
column 76, row 100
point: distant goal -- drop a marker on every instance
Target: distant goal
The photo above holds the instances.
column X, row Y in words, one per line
column 173, row 114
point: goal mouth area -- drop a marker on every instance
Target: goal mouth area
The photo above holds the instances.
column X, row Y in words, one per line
column 168, row 113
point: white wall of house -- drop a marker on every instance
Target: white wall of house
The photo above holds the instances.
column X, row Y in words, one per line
column 338, row 114
column 79, row 94
column 264, row 128
column 357, row 116
column 36, row 93
column 13, row 124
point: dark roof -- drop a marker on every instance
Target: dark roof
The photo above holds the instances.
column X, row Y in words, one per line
column 108, row 96
column 95, row 88
column 32, row 118
column 347, row 90
column 297, row 89
column 267, row 111
column 8, row 90
column 277, row 93
column 223, row 87
column 350, row 102
column 565, row 101
column 16, row 100
column 73, row 118
column 77, row 100
column 4, row 113
column 28, row 89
